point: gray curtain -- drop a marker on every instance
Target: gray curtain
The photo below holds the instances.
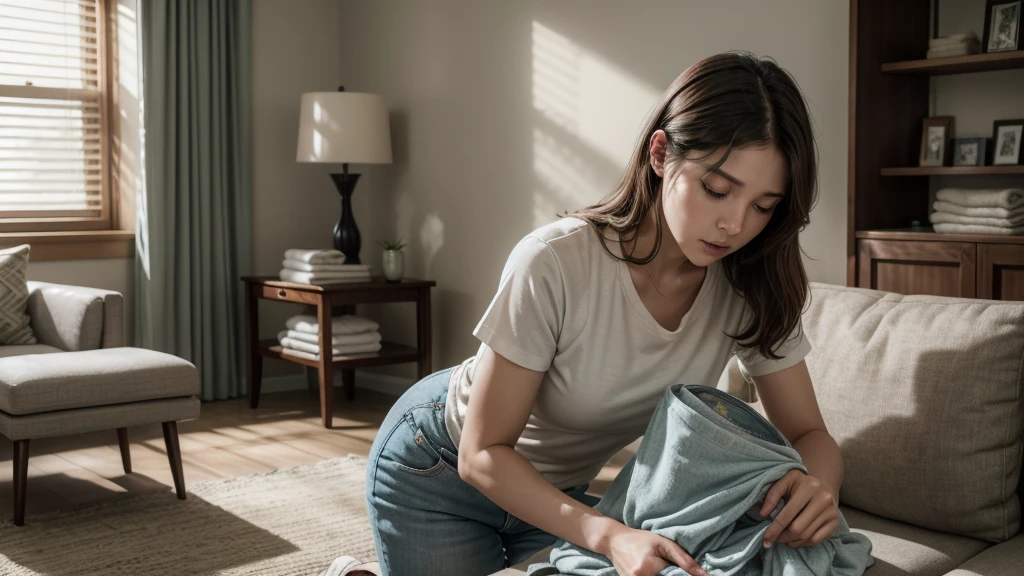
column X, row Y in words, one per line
column 194, row 220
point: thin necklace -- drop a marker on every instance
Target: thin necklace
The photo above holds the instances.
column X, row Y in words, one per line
column 653, row 283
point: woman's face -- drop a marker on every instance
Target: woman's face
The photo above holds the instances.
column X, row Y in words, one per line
column 711, row 214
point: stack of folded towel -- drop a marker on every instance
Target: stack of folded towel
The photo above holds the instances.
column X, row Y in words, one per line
column 954, row 45
column 321, row 267
column 349, row 335
column 975, row 211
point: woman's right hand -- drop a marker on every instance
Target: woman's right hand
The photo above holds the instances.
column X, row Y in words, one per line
column 644, row 553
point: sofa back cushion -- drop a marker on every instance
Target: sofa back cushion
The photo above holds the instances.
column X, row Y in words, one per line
column 923, row 396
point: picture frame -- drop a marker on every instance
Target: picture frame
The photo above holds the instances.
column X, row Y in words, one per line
column 1006, row 142
column 969, row 151
column 1002, row 25
column 936, row 132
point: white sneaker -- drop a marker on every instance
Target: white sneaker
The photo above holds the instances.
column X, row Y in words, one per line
column 349, row 566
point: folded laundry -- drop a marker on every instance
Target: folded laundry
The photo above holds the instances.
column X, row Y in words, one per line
column 699, row 478
column 323, row 267
column 302, row 346
column 316, row 357
column 1008, row 198
column 321, row 255
column 978, row 211
column 347, row 324
column 323, row 277
column 949, row 228
column 953, row 40
column 945, row 217
column 336, row 339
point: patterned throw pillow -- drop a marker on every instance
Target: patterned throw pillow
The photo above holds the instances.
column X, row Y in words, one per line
column 15, row 325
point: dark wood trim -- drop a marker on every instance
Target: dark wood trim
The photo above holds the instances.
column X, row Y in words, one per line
column 126, row 455
column 20, row 480
column 958, row 64
column 174, row 457
column 252, row 340
column 953, row 170
column 325, row 366
column 928, row 235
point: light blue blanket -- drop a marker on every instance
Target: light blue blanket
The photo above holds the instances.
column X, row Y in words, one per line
column 699, row 478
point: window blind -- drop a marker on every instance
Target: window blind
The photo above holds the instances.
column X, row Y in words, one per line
column 51, row 117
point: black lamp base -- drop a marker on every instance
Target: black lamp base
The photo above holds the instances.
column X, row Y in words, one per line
column 346, row 234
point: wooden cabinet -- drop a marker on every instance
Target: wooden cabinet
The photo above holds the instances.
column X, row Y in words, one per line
column 890, row 245
column 936, row 268
column 1001, row 271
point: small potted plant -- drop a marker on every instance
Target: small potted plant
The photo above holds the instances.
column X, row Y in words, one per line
column 393, row 263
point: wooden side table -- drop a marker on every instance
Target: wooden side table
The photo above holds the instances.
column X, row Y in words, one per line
column 331, row 299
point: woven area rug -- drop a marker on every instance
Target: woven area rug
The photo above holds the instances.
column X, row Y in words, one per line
column 287, row 521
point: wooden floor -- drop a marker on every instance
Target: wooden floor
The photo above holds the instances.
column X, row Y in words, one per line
column 229, row 439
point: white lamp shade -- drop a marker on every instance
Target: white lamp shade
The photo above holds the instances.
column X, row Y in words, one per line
column 343, row 127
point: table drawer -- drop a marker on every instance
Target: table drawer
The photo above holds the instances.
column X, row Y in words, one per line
column 287, row 295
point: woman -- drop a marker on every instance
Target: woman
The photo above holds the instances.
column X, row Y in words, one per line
column 481, row 465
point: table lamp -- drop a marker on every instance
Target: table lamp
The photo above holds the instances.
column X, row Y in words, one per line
column 342, row 128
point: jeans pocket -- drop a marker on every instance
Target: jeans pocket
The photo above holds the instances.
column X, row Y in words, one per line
column 426, row 461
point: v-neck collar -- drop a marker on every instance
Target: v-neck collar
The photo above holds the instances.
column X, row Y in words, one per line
column 640, row 309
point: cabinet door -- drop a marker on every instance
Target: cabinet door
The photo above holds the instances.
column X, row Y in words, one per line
column 1001, row 271
column 904, row 267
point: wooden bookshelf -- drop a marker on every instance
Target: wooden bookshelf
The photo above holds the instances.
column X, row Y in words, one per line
column 890, row 94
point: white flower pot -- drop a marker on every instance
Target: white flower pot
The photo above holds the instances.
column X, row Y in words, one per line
column 393, row 264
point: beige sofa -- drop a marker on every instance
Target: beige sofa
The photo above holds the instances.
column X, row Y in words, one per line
column 924, row 396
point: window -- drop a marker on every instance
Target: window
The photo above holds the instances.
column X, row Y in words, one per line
column 54, row 120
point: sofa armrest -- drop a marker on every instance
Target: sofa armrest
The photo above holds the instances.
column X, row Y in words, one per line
column 1004, row 559
column 76, row 318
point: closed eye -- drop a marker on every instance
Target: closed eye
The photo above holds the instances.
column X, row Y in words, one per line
column 718, row 196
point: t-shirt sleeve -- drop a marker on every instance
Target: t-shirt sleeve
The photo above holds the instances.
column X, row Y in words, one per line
column 793, row 350
column 524, row 319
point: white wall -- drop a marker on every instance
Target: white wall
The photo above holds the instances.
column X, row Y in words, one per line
column 505, row 112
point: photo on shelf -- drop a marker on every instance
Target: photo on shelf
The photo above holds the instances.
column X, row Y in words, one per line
column 969, row 151
column 936, row 131
column 1002, row 26
column 1006, row 145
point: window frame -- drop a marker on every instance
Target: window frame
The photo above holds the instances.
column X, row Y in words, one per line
column 62, row 222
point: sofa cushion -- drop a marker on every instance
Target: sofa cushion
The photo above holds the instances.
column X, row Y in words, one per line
column 923, row 395
column 21, row 350
column 1003, row 559
column 15, row 324
column 898, row 549
column 46, row 382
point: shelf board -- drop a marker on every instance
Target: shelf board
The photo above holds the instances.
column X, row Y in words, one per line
column 927, row 234
column 389, row 353
column 958, row 64
column 952, row 170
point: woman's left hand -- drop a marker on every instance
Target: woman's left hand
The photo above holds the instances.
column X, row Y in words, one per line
column 811, row 513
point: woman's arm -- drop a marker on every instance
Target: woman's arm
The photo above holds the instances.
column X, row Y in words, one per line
column 789, row 401
column 499, row 408
column 502, row 398
column 811, row 514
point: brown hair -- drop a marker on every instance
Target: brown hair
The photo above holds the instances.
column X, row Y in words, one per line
column 735, row 100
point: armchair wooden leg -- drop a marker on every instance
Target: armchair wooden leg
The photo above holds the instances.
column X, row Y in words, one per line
column 20, row 479
column 174, row 457
column 126, row 455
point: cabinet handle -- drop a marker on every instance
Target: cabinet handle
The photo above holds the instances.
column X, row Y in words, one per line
column 281, row 293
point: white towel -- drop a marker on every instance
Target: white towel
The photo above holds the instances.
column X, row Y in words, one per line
column 977, row 211
column 1008, row 198
column 307, row 267
column 317, row 256
column 947, row 218
column 953, row 51
column 347, row 324
column 973, row 229
column 336, row 339
column 323, row 277
column 299, row 346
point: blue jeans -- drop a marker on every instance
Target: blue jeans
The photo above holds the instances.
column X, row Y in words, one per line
column 426, row 520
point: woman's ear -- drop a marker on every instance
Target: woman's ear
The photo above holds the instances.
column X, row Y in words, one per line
column 658, row 145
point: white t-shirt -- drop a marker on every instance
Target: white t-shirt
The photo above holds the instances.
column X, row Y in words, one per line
column 565, row 307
